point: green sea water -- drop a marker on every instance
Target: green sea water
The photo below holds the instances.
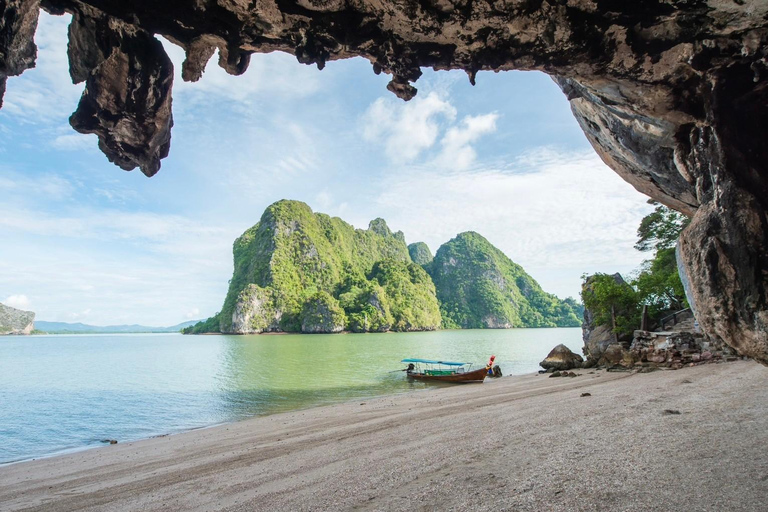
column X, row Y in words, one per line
column 63, row 393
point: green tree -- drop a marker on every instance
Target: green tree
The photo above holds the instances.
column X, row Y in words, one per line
column 658, row 281
column 659, row 286
column 660, row 229
column 612, row 302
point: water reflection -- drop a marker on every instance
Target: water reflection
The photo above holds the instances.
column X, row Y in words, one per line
column 64, row 392
column 267, row 374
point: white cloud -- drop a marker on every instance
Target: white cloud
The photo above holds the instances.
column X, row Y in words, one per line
column 268, row 75
column 116, row 267
column 549, row 211
column 80, row 315
column 193, row 314
column 457, row 151
column 406, row 129
column 75, row 142
column 47, row 186
column 165, row 233
column 18, row 302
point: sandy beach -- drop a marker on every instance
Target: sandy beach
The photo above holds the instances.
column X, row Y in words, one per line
column 692, row 439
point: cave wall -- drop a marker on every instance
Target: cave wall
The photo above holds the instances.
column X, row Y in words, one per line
column 672, row 94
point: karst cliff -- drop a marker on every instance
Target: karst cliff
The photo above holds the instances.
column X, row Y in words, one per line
column 301, row 271
column 672, row 94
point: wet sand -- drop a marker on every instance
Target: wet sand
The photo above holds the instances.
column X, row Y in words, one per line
column 693, row 439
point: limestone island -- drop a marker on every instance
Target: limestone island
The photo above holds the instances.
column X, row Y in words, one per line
column 300, row 271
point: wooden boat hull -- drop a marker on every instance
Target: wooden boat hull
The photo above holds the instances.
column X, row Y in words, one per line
column 473, row 376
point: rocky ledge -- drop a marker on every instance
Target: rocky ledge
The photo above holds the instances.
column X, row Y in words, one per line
column 672, row 95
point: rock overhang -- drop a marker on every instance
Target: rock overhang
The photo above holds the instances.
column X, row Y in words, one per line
column 672, row 95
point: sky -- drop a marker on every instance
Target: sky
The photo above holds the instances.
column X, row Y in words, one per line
column 84, row 241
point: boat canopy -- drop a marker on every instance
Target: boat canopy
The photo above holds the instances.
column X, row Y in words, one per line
column 429, row 361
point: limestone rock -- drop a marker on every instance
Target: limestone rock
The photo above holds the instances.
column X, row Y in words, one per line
column 18, row 22
column 254, row 312
column 420, row 253
column 16, row 321
column 322, row 314
column 479, row 287
column 561, row 358
column 293, row 254
column 127, row 98
column 672, row 95
column 673, row 349
column 616, row 355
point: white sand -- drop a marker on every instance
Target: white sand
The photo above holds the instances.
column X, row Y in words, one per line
column 519, row 443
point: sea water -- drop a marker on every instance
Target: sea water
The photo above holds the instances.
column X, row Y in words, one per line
column 68, row 392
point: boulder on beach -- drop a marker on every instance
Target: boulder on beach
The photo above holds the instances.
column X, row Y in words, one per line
column 561, row 358
column 617, row 355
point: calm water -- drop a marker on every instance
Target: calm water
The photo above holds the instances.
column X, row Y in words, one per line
column 60, row 393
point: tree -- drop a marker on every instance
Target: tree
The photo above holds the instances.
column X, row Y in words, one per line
column 612, row 302
column 658, row 282
column 660, row 229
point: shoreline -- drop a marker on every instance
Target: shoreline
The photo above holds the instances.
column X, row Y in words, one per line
column 668, row 440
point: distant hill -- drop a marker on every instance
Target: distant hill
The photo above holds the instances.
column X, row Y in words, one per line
column 78, row 328
column 301, row 271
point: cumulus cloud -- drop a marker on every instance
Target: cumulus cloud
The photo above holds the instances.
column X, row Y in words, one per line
column 406, row 129
column 193, row 314
column 457, row 152
column 556, row 213
column 18, row 301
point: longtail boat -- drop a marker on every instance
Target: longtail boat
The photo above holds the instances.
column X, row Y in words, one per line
column 443, row 371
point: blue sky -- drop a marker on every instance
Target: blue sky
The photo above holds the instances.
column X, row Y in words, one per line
column 85, row 241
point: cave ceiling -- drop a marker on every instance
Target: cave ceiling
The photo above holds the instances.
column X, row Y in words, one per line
column 672, row 94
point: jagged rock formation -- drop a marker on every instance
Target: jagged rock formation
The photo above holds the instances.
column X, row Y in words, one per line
column 16, row 321
column 300, row 271
column 478, row 286
column 322, row 314
column 673, row 95
column 420, row 253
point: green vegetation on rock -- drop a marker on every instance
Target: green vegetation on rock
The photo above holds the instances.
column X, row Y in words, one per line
column 322, row 313
column 410, row 293
column 206, row 326
column 657, row 285
column 612, row 302
column 293, row 266
column 300, row 271
column 478, row 286
column 420, row 253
